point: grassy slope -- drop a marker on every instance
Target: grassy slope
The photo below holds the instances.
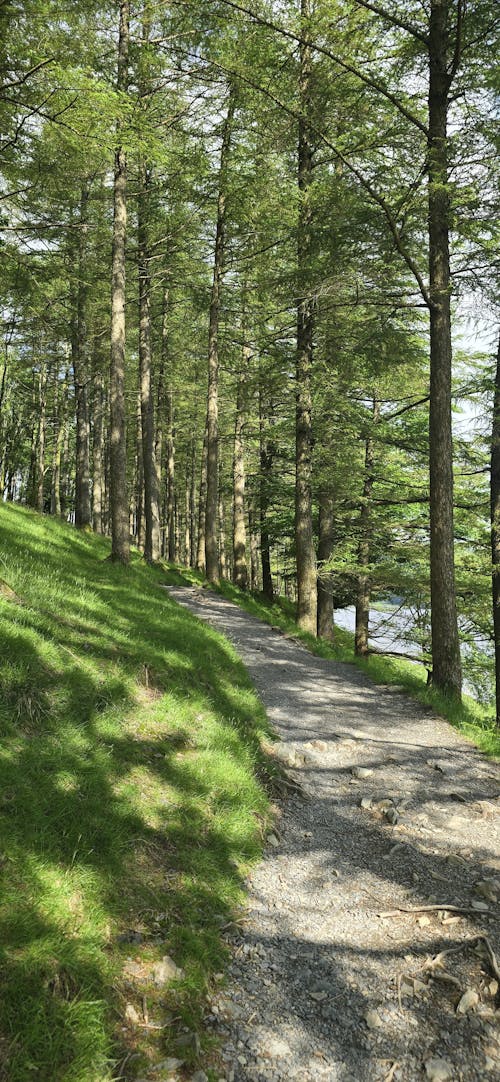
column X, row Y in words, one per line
column 129, row 805
column 473, row 720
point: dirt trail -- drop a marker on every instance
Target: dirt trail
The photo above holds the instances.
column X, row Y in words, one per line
column 322, row 986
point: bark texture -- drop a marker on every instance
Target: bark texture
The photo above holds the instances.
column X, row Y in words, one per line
column 98, row 486
column 240, row 569
column 325, row 550
column 364, row 549
column 149, row 469
column 81, row 373
column 120, row 537
column 211, row 516
column 42, row 437
column 202, row 507
column 267, row 453
column 304, row 544
column 445, row 641
column 495, row 529
column 170, row 475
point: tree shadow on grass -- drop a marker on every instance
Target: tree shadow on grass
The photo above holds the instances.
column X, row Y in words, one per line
column 127, row 811
column 105, row 828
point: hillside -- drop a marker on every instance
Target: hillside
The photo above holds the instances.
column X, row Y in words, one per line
column 130, row 753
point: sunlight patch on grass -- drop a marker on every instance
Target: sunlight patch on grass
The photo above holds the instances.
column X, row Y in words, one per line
column 130, row 805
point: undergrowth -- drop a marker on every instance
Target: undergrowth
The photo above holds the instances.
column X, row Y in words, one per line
column 132, row 800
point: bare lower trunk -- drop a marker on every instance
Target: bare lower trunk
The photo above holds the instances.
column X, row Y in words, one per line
column 240, row 570
column 304, row 545
column 42, row 434
column 79, row 355
column 151, row 494
column 200, row 554
column 98, row 452
column 137, row 522
column 254, row 549
column 445, row 641
column 160, row 426
column 65, row 485
column 192, row 504
column 3, row 456
column 120, row 550
column 267, row 453
column 495, row 529
column 187, row 516
column 170, row 478
column 325, row 550
column 211, row 517
column 222, row 539
column 364, row 549
column 55, row 488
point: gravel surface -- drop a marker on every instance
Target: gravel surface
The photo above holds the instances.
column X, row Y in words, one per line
column 394, row 810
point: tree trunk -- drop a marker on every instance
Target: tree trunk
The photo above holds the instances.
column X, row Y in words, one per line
column 202, row 505
column 65, row 484
column 98, row 450
column 495, row 529
column 254, row 549
column 170, row 476
column 59, row 406
column 151, row 494
column 137, row 523
column 160, row 425
column 187, row 514
column 240, row 569
column 222, row 539
column 42, row 432
column 325, row 549
column 151, row 487
column 211, row 516
column 306, row 562
column 120, row 546
column 160, row 403
column 267, row 452
column 364, row 549
column 79, row 349
column 3, row 456
column 192, row 503
column 446, row 664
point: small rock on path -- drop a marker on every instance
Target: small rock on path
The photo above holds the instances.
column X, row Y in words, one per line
column 321, row 987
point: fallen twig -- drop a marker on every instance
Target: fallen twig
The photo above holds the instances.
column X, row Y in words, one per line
column 447, row 977
column 389, row 1077
column 442, row 907
column 437, row 960
column 492, row 956
column 234, row 923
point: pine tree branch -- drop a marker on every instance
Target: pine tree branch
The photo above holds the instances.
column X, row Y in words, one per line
column 395, row 20
column 364, row 182
column 412, row 405
column 323, row 51
column 24, row 78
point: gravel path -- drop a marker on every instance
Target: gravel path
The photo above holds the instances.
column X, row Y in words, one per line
column 396, row 810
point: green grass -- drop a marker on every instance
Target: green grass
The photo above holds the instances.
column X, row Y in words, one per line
column 472, row 719
column 132, row 800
